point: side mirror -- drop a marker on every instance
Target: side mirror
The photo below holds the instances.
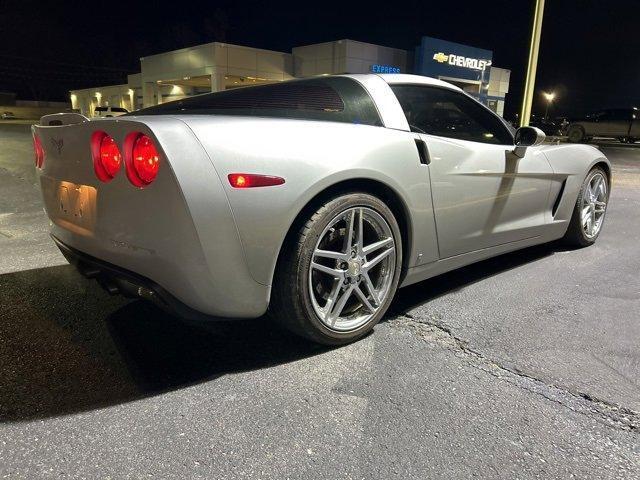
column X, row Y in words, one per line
column 527, row 137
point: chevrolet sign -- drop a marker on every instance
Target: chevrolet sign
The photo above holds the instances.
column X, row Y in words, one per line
column 460, row 61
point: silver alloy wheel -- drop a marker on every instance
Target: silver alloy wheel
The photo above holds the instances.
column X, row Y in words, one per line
column 594, row 205
column 352, row 268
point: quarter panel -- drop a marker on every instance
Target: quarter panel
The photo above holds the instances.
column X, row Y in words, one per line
column 311, row 156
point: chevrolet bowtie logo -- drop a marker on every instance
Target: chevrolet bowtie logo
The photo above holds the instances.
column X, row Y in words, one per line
column 440, row 57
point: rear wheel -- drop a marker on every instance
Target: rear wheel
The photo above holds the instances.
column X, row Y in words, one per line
column 338, row 275
column 590, row 209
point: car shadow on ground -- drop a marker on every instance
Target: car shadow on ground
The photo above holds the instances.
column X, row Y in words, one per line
column 66, row 346
column 163, row 352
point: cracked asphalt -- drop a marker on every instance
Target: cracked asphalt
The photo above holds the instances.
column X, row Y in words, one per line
column 522, row 366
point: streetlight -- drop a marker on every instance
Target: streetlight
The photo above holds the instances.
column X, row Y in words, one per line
column 548, row 96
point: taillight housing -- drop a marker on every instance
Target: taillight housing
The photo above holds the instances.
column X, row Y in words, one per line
column 38, row 151
column 142, row 159
column 251, row 180
column 107, row 158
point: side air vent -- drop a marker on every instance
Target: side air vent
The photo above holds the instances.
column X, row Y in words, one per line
column 556, row 204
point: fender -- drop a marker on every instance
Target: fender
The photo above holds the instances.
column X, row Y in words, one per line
column 571, row 164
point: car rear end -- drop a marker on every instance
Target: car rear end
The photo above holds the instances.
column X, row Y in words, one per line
column 156, row 223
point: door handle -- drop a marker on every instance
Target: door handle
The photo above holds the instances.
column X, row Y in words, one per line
column 423, row 152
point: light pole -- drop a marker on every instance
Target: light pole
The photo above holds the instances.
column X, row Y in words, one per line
column 525, row 113
column 548, row 96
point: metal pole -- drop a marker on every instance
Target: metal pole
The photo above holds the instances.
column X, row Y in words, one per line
column 529, row 85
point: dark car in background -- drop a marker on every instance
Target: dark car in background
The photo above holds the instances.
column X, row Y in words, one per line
column 549, row 127
column 623, row 124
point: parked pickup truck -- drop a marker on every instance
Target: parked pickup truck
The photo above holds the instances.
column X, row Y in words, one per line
column 622, row 124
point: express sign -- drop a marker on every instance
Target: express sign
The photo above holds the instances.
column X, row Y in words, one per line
column 460, row 61
column 384, row 69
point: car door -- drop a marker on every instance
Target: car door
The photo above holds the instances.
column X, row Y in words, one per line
column 483, row 195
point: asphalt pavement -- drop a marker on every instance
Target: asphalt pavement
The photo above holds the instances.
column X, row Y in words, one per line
column 523, row 366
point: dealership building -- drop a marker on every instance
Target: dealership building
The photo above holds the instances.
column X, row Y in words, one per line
column 216, row 66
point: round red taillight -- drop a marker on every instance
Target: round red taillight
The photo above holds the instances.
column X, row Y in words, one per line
column 110, row 157
column 144, row 161
column 106, row 156
column 39, row 151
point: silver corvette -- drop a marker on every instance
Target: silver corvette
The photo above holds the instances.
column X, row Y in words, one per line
column 313, row 200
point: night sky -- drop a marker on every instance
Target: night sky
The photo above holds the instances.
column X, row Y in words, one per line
column 589, row 55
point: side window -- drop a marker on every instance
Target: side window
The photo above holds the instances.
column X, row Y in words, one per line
column 333, row 99
column 447, row 113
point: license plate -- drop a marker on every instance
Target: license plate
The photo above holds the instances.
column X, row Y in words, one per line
column 74, row 207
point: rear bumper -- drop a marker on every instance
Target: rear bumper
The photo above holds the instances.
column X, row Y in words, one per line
column 117, row 280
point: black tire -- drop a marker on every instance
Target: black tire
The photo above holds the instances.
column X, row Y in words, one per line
column 575, row 235
column 291, row 305
column 576, row 134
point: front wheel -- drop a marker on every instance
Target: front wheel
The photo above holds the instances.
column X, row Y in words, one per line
column 339, row 272
column 589, row 211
